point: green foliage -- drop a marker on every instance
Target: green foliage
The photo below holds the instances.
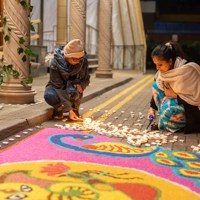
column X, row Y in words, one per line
column 21, row 40
column 24, row 59
column 20, row 50
column 24, row 3
column 29, row 52
column 7, row 38
column 30, row 8
column 27, row 81
column 9, row 29
column 7, row 70
column 4, row 21
column 32, row 27
column 3, row 32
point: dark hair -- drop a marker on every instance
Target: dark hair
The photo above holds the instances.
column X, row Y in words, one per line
column 170, row 50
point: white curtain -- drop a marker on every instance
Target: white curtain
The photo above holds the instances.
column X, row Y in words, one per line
column 92, row 26
column 128, row 39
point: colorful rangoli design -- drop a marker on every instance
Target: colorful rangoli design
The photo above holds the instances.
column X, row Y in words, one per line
column 61, row 164
column 70, row 180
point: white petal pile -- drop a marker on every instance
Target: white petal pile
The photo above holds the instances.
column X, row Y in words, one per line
column 196, row 148
column 134, row 136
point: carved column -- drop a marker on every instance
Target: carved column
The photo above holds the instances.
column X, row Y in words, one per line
column 139, row 35
column 105, row 35
column 61, row 22
column 17, row 27
column 77, row 20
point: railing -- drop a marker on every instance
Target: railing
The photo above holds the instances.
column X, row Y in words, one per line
column 49, row 39
column 91, row 40
column 36, row 36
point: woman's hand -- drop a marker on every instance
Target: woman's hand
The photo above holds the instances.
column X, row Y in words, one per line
column 169, row 92
column 73, row 116
column 151, row 112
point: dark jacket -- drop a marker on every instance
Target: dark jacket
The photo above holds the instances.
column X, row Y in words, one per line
column 192, row 115
column 62, row 73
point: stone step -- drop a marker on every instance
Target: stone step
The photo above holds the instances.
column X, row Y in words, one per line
column 92, row 61
column 91, row 56
column 92, row 68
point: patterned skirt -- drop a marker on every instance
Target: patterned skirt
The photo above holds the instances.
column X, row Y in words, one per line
column 171, row 113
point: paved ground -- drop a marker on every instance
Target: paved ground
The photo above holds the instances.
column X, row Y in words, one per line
column 14, row 118
column 122, row 101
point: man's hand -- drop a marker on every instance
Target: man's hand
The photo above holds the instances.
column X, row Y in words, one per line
column 79, row 88
column 169, row 92
column 73, row 116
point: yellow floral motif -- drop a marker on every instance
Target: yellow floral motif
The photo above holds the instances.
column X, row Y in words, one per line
column 162, row 154
column 185, row 155
column 190, row 173
column 166, row 161
column 193, row 164
column 16, row 191
column 37, row 180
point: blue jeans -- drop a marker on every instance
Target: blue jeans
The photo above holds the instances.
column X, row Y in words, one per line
column 52, row 98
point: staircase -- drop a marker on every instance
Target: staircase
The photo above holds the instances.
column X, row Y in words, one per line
column 40, row 68
column 92, row 63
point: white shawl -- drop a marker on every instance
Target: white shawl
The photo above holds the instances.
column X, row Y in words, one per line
column 184, row 79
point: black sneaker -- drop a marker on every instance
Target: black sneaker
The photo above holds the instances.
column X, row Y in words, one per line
column 58, row 113
column 180, row 130
column 154, row 127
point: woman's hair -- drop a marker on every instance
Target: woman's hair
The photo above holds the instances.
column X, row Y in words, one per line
column 170, row 50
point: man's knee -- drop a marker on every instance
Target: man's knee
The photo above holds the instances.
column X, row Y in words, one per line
column 51, row 97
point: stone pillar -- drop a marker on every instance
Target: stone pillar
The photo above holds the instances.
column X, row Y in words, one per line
column 77, row 20
column 61, row 22
column 105, row 35
column 11, row 90
column 139, row 35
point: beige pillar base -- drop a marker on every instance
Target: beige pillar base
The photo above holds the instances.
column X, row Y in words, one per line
column 104, row 73
column 15, row 93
